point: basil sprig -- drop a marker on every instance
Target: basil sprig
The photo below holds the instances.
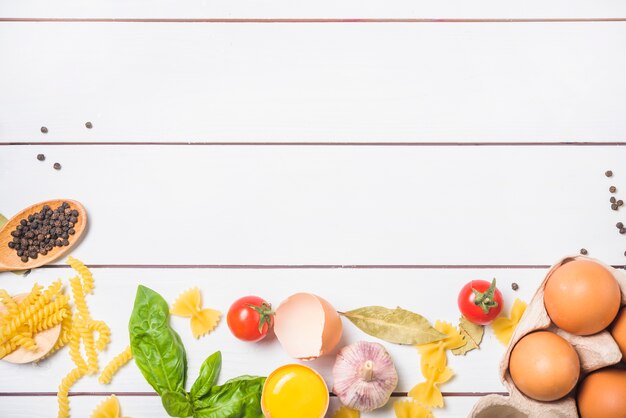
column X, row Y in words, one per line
column 160, row 355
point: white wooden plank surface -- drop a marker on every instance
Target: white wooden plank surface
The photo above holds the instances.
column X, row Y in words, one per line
column 430, row 292
column 150, row 407
column 458, row 82
column 320, row 9
column 293, row 205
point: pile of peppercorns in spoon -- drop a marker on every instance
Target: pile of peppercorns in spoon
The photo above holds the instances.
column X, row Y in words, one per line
column 41, row 232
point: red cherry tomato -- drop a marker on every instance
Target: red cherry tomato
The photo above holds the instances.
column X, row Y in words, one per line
column 480, row 301
column 250, row 318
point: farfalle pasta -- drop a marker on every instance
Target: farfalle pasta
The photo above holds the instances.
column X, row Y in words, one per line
column 189, row 305
column 503, row 327
column 433, row 365
column 345, row 412
column 109, row 408
column 410, row 408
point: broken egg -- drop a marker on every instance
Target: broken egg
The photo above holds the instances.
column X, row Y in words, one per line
column 307, row 326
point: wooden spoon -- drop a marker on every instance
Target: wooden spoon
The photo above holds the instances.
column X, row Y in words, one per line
column 45, row 340
column 8, row 256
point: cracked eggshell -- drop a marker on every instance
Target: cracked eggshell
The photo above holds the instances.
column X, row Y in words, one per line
column 307, row 326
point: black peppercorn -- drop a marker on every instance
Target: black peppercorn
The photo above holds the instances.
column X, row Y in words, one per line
column 44, row 130
column 56, row 166
column 614, row 206
column 88, row 125
column 583, row 251
column 608, row 173
column 41, row 157
column 514, row 286
column 39, row 233
column 612, row 189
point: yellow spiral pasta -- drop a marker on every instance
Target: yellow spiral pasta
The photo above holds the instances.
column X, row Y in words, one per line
column 49, row 310
column 90, row 350
column 7, row 348
column 79, row 298
column 64, row 389
column 49, row 321
column 104, row 333
column 24, row 339
column 8, row 302
column 25, row 311
column 114, row 365
column 75, row 354
column 64, row 337
column 84, row 272
column 32, row 297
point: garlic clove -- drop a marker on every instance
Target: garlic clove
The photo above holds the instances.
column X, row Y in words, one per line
column 364, row 376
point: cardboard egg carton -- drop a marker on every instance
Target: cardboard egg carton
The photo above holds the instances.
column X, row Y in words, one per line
column 595, row 352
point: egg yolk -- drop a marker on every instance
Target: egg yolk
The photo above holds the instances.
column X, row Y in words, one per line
column 295, row 391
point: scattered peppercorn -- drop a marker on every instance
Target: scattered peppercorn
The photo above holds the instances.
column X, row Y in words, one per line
column 620, row 203
column 619, row 225
column 614, row 206
column 622, row 230
column 57, row 166
column 88, row 125
column 39, row 234
column 41, row 157
column 44, row 130
column 514, row 286
column 612, row 199
column 608, row 173
column 583, row 251
column 612, row 189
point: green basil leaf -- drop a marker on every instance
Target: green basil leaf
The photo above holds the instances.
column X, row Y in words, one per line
column 157, row 348
column 209, row 373
column 176, row 404
column 237, row 398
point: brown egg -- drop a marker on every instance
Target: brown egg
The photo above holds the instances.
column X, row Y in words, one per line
column 618, row 331
column 603, row 394
column 544, row 366
column 582, row 297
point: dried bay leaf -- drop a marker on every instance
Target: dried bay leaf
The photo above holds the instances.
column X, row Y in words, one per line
column 397, row 326
column 472, row 334
column 3, row 221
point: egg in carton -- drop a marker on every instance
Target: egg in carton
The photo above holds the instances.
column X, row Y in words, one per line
column 594, row 351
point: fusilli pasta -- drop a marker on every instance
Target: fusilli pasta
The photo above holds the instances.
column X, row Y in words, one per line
column 114, row 365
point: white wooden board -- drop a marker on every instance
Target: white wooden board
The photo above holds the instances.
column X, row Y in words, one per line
column 350, row 9
column 144, row 407
column 288, row 205
column 430, row 292
column 317, row 82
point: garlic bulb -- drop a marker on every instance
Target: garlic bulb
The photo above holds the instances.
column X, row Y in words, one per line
column 364, row 376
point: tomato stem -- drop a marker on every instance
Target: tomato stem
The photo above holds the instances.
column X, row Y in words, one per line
column 486, row 300
column 265, row 312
